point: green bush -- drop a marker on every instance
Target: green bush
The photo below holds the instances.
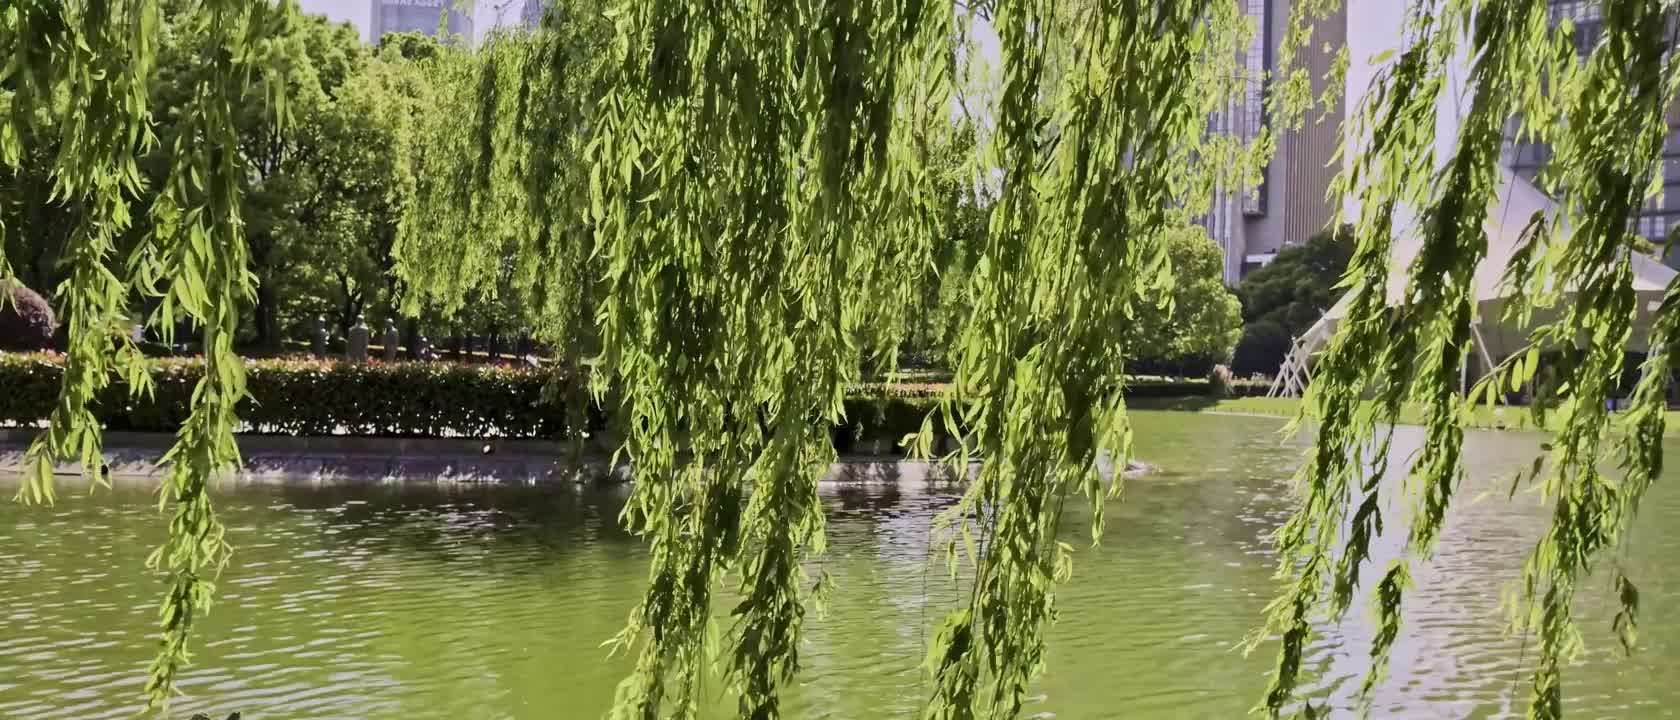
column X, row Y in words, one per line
column 1263, row 346
column 1283, row 299
column 26, row 320
column 1201, row 327
column 310, row 397
column 408, row 399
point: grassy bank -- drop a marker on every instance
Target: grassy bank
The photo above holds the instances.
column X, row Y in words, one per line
column 1506, row 418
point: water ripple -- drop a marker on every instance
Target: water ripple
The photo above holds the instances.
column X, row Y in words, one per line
column 427, row 600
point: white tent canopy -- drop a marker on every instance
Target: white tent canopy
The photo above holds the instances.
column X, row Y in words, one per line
column 1517, row 202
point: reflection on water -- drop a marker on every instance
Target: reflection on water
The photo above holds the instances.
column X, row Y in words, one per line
column 427, row 601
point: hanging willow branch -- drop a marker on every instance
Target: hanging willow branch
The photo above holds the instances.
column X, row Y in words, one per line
column 196, row 261
column 753, row 205
column 747, row 212
column 95, row 57
column 1102, row 139
column 722, row 209
column 1606, row 122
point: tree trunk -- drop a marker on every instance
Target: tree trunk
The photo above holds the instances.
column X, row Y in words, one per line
column 411, row 338
column 351, row 308
column 266, row 317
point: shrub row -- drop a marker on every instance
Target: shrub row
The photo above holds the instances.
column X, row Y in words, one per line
column 433, row 399
column 311, row 397
column 1154, row 388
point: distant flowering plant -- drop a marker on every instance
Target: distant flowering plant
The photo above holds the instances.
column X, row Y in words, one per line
column 310, row 396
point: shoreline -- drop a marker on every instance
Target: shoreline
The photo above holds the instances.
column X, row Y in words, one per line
column 132, row 457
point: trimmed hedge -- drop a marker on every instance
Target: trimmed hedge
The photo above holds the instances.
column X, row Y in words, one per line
column 311, row 397
column 307, row 397
column 1193, row 388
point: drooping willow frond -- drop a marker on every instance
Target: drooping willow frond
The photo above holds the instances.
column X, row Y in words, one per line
column 1605, row 120
column 1099, row 160
column 719, row 239
column 95, row 57
column 197, row 261
column 721, row 209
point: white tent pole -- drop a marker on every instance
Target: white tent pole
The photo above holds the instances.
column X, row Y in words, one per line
column 1280, row 383
column 1481, row 346
column 1278, row 378
column 1299, row 375
column 1463, row 377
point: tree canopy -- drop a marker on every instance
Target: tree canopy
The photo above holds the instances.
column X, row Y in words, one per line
column 1199, row 324
column 326, row 185
column 1286, row 297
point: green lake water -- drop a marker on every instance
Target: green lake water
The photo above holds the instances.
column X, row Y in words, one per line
column 420, row 600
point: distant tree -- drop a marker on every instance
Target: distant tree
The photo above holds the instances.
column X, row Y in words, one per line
column 479, row 100
column 299, row 165
column 410, row 45
column 942, row 304
column 368, row 135
column 1200, row 327
column 1261, row 349
column 1284, row 298
column 39, row 224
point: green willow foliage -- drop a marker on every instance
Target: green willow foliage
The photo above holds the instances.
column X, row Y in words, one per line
column 1077, row 241
column 76, row 77
column 718, row 238
column 739, row 221
column 723, row 209
column 1605, row 120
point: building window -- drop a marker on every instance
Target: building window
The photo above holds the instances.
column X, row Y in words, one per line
column 1256, row 66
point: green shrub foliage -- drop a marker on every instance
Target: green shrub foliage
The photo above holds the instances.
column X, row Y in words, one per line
column 316, row 397
column 1261, row 349
column 312, row 397
column 1199, row 324
column 1287, row 296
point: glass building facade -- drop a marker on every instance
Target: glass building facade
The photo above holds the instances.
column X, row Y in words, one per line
column 422, row 16
column 1243, row 117
column 1289, row 204
column 1661, row 213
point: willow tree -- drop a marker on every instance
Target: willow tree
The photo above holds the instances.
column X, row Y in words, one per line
column 1604, row 115
column 741, row 210
column 75, row 81
column 739, row 219
column 722, row 208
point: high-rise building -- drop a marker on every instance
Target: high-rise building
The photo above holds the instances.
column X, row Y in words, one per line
column 1252, row 224
column 510, row 15
column 1661, row 213
column 422, row 16
column 532, row 13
